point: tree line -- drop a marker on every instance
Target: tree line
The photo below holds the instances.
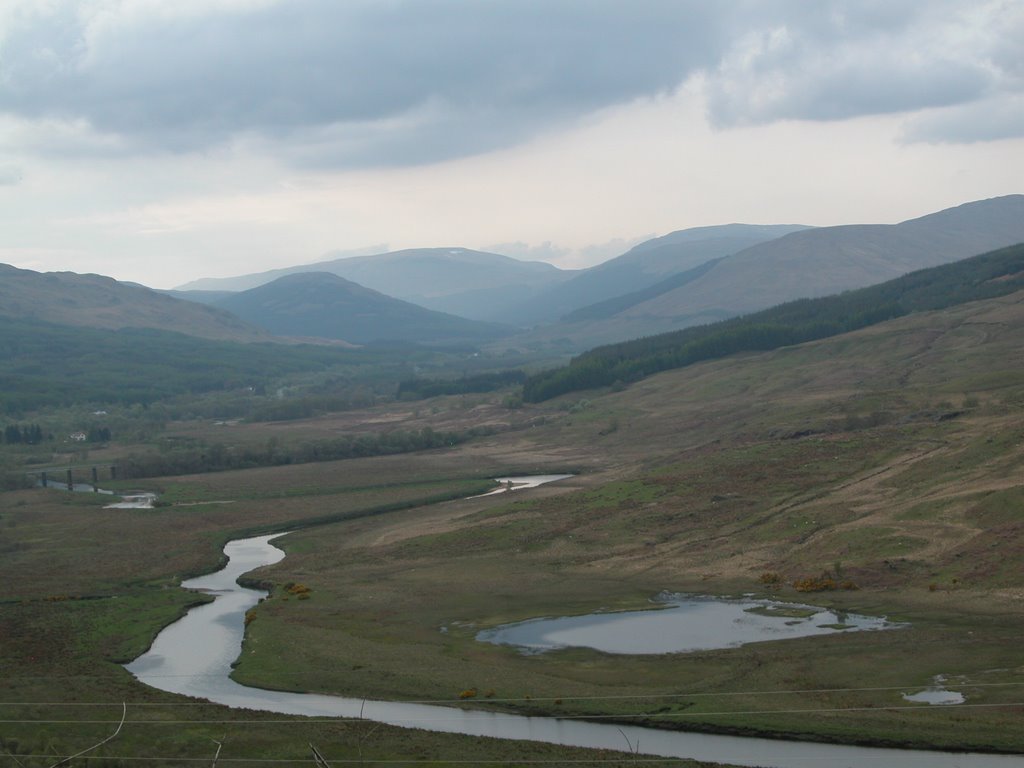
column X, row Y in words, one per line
column 986, row 276
column 419, row 388
column 26, row 434
column 47, row 366
column 217, row 457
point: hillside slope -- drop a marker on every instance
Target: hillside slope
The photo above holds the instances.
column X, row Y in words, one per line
column 642, row 266
column 323, row 305
column 980, row 277
column 805, row 264
column 94, row 301
column 879, row 469
column 827, row 260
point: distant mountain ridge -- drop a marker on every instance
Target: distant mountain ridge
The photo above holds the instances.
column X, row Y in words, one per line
column 454, row 280
column 94, row 301
column 324, row 305
column 825, row 260
column 639, row 268
column 803, row 264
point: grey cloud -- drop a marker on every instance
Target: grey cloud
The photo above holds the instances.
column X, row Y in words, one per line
column 369, row 250
column 10, row 175
column 833, row 89
column 568, row 258
column 842, row 60
column 987, row 121
column 365, row 82
column 546, row 251
column 350, row 74
column 601, row 252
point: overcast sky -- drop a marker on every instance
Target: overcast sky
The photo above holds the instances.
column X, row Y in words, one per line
column 165, row 140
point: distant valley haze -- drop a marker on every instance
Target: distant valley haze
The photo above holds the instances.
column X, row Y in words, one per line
column 457, row 296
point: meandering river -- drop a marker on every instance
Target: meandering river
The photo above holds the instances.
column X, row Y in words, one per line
column 193, row 657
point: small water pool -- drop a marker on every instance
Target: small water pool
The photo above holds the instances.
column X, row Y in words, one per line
column 681, row 623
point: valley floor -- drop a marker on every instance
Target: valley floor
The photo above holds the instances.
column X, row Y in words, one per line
column 886, row 461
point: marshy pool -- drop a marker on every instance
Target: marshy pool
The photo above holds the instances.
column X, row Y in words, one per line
column 680, row 624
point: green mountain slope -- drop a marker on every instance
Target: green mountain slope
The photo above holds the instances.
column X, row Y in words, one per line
column 993, row 274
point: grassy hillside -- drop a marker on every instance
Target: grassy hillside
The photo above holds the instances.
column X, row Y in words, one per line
column 993, row 274
column 94, row 301
column 888, row 459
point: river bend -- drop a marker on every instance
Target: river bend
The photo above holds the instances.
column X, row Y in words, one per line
column 193, row 657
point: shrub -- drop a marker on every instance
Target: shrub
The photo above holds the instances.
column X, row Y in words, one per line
column 815, row 584
column 823, row 583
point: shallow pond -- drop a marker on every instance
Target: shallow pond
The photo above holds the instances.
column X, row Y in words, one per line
column 683, row 623
column 129, row 499
column 936, row 694
column 507, row 484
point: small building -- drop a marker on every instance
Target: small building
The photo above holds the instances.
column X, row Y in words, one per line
column 78, row 437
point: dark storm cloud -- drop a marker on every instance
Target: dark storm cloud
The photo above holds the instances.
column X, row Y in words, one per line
column 422, row 79
column 368, row 82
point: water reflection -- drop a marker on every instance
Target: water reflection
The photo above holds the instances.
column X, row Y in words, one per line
column 685, row 623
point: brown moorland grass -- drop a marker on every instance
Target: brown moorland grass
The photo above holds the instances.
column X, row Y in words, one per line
column 817, row 462
column 890, row 457
column 86, row 588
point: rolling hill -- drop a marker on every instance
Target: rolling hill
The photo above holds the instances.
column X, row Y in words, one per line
column 94, row 301
column 323, row 305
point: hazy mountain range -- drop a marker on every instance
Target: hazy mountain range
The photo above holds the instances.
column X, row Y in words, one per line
column 442, row 295
column 641, row 267
column 474, row 284
column 803, row 264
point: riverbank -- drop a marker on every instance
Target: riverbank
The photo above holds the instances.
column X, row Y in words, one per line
column 195, row 657
column 394, row 610
column 63, row 688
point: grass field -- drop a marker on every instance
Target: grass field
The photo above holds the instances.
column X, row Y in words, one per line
column 889, row 459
